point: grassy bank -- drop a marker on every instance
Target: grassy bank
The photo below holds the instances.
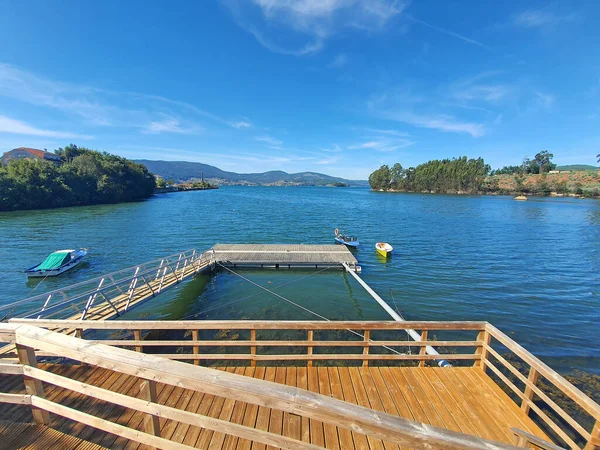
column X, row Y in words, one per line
column 580, row 183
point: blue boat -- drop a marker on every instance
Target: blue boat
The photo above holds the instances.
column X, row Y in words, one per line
column 341, row 238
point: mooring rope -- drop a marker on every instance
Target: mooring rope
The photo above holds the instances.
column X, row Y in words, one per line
column 222, row 305
column 300, row 306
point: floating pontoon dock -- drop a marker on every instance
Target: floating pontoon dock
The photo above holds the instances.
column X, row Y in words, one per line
column 285, row 256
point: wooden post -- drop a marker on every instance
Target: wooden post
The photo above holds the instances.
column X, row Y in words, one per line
column 79, row 333
column 366, row 347
column 33, row 386
column 485, row 338
column 521, row 441
column 423, row 349
column 253, row 348
column 594, row 442
column 533, row 377
column 137, row 336
column 310, row 348
column 195, row 348
column 148, row 392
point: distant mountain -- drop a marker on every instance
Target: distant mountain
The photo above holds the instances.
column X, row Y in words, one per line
column 182, row 171
column 577, row 167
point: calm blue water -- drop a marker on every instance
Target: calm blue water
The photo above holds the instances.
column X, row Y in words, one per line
column 531, row 268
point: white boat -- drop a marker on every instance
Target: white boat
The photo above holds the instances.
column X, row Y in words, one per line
column 56, row 263
column 383, row 248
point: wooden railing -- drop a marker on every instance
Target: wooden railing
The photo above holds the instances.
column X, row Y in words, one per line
column 359, row 343
column 297, row 342
column 152, row 369
column 536, row 397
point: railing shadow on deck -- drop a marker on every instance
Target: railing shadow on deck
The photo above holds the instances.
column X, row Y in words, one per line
column 151, row 369
column 254, row 343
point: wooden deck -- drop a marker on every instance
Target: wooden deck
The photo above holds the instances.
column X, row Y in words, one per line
column 460, row 399
column 284, row 255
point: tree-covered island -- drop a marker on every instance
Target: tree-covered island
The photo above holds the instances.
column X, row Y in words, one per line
column 81, row 177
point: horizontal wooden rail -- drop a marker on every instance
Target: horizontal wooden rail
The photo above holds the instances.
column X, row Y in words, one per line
column 374, row 424
column 282, row 343
column 249, row 325
column 524, row 440
column 255, row 349
column 15, row 399
column 166, row 412
column 536, row 369
column 305, row 357
column 11, row 369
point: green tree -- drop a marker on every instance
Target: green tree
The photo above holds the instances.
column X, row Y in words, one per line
column 381, row 178
column 448, row 175
column 543, row 160
column 396, row 174
column 85, row 177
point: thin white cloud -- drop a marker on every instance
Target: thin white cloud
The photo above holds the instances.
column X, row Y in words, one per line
column 327, row 161
column 13, row 126
column 102, row 107
column 544, row 18
column 382, row 145
column 398, row 106
column 334, row 149
column 445, row 123
column 170, row 125
column 271, row 142
column 301, row 27
column 448, row 32
column 545, row 100
column 241, row 124
column 388, row 132
column 534, row 19
column 339, row 61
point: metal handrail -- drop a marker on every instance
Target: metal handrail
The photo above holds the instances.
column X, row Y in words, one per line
column 189, row 256
column 91, row 280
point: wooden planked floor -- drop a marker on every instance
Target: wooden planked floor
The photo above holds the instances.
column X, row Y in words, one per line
column 459, row 399
column 27, row 436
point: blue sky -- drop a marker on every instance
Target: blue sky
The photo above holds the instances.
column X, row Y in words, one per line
column 334, row 86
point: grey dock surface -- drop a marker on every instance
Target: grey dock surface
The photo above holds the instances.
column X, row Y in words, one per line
column 284, row 255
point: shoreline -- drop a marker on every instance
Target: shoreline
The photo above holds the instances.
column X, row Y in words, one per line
column 492, row 194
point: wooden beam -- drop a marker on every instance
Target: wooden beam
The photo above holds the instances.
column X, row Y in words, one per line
column 483, row 337
column 590, row 406
column 240, row 388
column 15, row 399
column 32, row 386
column 148, row 392
column 532, row 378
column 367, row 337
column 524, row 439
column 282, row 343
column 593, row 442
column 195, row 348
column 423, row 350
column 551, row 403
column 248, row 325
column 137, row 335
column 309, row 351
column 11, row 369
column 171, row 413
column 253, row 348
